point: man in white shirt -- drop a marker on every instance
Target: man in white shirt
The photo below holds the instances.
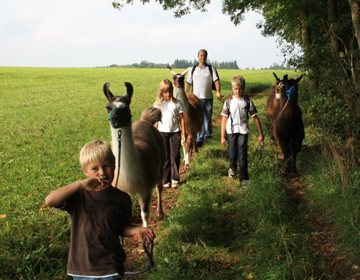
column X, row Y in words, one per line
column 201, row 77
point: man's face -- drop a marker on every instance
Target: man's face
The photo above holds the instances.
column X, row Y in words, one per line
column 202, row 57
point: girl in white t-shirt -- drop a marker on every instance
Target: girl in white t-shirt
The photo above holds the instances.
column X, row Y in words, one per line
column 172, row 128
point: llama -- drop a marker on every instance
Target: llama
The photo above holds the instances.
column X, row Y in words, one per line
column 142, row 153
column 193, row 114
column 273, row 98
column 288, row 128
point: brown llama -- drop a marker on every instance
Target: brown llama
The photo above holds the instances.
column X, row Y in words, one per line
column 193, row 114
column 142, row 152
column 288, row 128
column 273, row 98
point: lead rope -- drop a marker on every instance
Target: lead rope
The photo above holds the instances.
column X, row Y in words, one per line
column 150, row 256
column 119, row 148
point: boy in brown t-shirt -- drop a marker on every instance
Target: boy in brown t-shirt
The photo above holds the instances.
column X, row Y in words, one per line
column 100, row 214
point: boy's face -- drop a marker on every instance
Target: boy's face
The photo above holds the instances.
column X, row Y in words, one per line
column 238, row 92
column 103, row 170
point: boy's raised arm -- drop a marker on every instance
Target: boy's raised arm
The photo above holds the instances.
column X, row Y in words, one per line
column 57, row 198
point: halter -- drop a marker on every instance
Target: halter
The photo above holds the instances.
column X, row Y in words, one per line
column 289, row 91
column 112, row 111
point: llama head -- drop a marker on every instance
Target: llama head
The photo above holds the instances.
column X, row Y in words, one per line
column 178, row 77
column 278, row 85
column 119, row 106
column 290, row 87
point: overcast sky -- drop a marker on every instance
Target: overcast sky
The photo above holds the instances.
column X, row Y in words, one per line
column 79, row 33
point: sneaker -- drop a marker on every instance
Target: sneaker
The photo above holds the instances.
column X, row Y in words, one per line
column 244, row 182
column 199, row 144
column 167, row 185
column 231, row 173
column 174, row 184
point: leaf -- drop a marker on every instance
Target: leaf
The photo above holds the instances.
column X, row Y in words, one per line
column 3, row 216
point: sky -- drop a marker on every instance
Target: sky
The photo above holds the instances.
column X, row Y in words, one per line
column 91, row 33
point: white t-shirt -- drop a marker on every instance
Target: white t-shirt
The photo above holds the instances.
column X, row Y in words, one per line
column 239, row 115
column 202, row 81
column 170, row 115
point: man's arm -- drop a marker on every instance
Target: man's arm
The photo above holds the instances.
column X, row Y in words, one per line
column 187, row 87
column 218, row 87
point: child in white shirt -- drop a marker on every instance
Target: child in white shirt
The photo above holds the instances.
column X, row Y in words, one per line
column 172, row 128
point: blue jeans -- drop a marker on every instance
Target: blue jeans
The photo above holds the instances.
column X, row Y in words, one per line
column 206, row 129
column 116, row 277
column 237, row 151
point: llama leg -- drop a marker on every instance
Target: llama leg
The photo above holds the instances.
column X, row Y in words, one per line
column 184, row 150
column 187, row 155
column 144, row 205
column 159, row 189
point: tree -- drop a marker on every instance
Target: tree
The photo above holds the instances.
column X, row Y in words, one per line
column 328, row 33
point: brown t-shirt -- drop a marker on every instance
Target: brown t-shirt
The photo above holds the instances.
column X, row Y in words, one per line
column 98, row 218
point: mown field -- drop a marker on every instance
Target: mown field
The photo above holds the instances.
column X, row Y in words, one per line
column 277, row 228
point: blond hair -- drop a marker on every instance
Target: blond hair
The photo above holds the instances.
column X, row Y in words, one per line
column 238, row 80
column 96, row 150
column 165, row 86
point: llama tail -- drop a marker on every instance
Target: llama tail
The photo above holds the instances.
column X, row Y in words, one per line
column 151, row 114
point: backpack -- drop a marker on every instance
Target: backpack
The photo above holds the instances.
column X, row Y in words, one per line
column 227, row 102
column 210, row 69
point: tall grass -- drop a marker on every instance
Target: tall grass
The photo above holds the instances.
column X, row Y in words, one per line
column 218, row 229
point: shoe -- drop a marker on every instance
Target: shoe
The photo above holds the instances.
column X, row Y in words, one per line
column 199, row 144
column 231, row 173
column 167, row 185
column 244, row 183
column 174, row 184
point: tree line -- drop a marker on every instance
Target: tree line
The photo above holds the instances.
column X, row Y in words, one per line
column 182, row 64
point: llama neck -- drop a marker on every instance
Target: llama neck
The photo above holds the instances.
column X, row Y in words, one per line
column 179, row 93
column 129, row 156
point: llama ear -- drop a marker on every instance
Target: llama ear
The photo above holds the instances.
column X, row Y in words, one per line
column 107, row 92
column 129, row 91
column 187, row 70
column 172, row 71
column 298, row 79
column 285, row 78
column 277, row 79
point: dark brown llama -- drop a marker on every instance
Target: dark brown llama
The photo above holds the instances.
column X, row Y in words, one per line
column 288, row 127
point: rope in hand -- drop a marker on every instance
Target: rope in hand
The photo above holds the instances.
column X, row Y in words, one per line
column 150, row 256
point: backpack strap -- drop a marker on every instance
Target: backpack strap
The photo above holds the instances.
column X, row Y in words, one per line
column 227, row 102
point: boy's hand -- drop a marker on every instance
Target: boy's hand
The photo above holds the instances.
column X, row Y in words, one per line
column 143, row 232
column 261, row 138
column 223, row 141
column 94, row 184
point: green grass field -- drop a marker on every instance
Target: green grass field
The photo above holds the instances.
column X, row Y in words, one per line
column 277, row 228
